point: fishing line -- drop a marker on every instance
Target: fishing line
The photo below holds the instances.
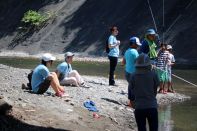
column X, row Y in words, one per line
column 152, row 15
column 177, row 77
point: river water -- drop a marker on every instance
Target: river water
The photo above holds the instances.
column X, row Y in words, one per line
column 174, row 117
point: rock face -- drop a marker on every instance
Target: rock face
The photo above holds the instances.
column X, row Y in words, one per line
column 39, row 112
column 82, row 25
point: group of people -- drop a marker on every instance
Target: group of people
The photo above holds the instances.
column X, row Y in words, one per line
column 42, row 79
column 161, row 58
column 146, row 69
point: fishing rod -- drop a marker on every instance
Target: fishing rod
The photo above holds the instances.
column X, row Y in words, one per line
column 152, row 15
column 176, row 76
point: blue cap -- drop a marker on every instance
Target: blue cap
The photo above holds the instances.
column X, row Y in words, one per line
column 135, row 40
column 150, row 32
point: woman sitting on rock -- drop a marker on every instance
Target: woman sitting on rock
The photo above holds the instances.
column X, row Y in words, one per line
column 66, row 74
column 42, row 78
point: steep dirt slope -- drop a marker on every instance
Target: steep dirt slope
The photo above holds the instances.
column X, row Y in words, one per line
column 82, row 25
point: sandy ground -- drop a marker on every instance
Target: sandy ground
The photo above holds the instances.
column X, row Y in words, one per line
column 47, row 112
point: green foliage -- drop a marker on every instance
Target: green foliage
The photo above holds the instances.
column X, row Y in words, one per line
column 34, row 18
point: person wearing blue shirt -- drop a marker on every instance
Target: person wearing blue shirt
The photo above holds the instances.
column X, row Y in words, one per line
column 130, row 56
column 113, row 54
column 42, row 78
column 66, row 74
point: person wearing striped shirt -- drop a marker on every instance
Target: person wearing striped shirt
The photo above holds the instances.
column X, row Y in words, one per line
column 161, row 66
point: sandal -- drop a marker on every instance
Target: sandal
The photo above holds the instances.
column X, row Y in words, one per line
column 171, row 91
column 61, row 94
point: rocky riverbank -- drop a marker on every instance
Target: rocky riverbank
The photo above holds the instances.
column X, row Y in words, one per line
column 47, row 112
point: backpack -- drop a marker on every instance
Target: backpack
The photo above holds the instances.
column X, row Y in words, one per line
column 29, row 76
column 107, row 46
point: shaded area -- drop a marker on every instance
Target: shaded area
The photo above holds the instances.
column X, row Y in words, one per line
column 10, row 123
column 11, row 14
column 112, row 101
column 94, row 18
column 86, row 29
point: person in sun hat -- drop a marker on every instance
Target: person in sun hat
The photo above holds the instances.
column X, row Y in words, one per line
column 130, row 56
column 42, row 78
column 170, row 63
column 149, row 46
column 66, row 74
column 142, row 93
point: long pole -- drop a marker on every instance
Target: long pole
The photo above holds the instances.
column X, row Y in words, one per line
column 163, row 21
column 184, row 80
column 177, row 77
column 152, row 15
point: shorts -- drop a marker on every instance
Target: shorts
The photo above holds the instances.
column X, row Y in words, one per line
column 169, row 75
column 162, row 75
column 44, row 86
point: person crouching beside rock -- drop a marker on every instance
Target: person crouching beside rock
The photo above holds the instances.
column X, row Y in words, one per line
column 42, row 78
column 142, row 93
column 66, row 74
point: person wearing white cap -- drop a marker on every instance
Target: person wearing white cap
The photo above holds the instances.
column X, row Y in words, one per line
column 142, row 93
column 130, row 56
column 170, row 63
column 148, row 44
column 42, row 78
column 66, row 74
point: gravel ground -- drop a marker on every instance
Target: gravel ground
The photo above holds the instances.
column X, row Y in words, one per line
column 48, row 112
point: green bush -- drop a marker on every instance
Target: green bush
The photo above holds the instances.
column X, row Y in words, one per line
column 34, row 18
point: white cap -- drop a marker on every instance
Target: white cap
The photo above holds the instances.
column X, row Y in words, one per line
column 169, row 47
column 68, row 54
column 48, row 57
column 142, row 61
column 135, row 40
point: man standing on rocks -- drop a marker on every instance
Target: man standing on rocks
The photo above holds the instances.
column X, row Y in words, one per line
column 142, row 93
column 42, row 78
column 66, row 74
column 130, row 56
column 113, row 54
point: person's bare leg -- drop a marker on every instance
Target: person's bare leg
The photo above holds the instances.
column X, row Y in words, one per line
column 169, row 84
column 55, row 83
column 160, row 87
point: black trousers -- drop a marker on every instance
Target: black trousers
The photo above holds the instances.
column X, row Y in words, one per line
column 151, row 114
column 113, row 64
